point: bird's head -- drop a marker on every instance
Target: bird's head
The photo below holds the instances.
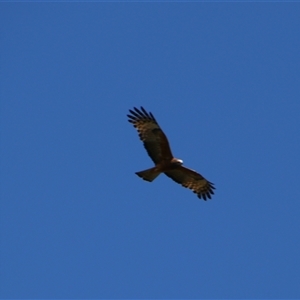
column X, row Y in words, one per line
column 177, row 161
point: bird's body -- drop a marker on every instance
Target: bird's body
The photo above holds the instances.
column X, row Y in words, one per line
column 161, row 167
column 158, row 148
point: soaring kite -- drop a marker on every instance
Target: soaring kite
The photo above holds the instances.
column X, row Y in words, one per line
column 157, row 146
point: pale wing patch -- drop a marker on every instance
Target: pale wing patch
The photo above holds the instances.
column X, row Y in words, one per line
column 193, row 181
column 154, row 139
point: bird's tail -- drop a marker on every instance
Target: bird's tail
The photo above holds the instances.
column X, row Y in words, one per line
column 149, row 174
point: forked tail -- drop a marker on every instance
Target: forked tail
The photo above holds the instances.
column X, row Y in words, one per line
column 149, row 174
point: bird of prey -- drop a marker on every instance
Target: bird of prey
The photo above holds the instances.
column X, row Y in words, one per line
column 158, row 148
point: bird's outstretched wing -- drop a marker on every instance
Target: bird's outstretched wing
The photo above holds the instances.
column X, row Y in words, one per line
column 192, row 180
column 154, row 139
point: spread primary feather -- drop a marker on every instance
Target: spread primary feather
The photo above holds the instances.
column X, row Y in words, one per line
column 158, row 148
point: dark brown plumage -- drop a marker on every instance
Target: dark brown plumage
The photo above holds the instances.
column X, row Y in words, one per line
column 158, row 148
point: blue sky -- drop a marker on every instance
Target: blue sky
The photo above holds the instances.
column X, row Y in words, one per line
column 222, row 80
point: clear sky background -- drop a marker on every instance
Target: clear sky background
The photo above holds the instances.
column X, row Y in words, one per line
column 222, row 80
